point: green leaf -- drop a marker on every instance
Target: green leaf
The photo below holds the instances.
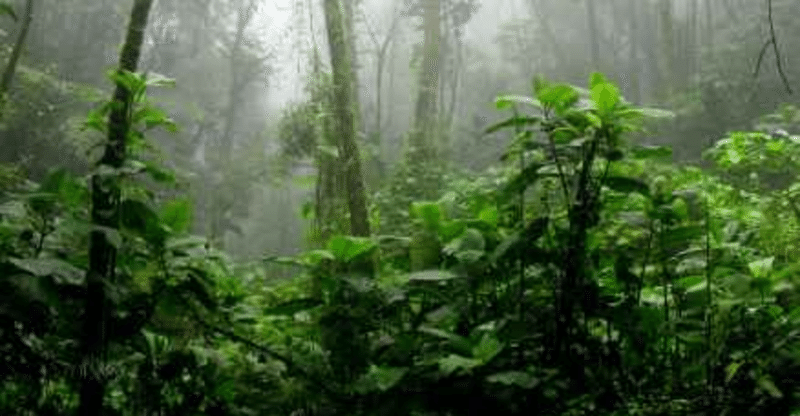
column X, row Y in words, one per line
column 605, row 96
column 50, row 267
column 691, row 282
column 177, row 215
column 513, row 378
column 651, row 152
column 761, row 269
column 516, row 121
column 456, row 363
column 506, row 101
column 138, row 217
column 292, row 307
column 597, row 78
column 458, row 342
column 558, row 96
column 487, row 348
column 432, row 276
column 380, row 378
column 348, row 248
column 627, row 185
column 647, row 112
column 132, row 82
column 766, row 384
column 157, row 80
column 430, row 213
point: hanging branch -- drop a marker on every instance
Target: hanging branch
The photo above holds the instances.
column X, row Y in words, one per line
column 773, row 41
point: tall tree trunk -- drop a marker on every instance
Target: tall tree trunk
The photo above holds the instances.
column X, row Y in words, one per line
column 594, row 34
column 11, row 66
column 345, row 111
column 105, row 215
column 667, row 52
column 425, row 125
column 238, row 82
column 692, row 45
column 635, row 65
column 709, row 29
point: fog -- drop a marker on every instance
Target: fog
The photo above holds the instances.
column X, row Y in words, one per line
column 245, row 73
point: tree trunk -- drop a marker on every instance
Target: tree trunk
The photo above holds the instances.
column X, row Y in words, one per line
column 425, row 125
column 105, row 215
column 345, row 111
column 594, row 34
column 635, row 66
column 667, row 52
column 237, row 86
column 11, row 66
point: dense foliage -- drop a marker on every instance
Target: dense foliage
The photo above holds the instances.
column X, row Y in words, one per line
column 588, row 276
column 554, row 262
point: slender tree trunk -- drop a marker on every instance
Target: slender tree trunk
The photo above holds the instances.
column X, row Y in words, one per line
column 709, row 32
column 635, row 65
column 11, row 66
column 667, row 60
column 594, row 34
column 105, row 215
column 345, row 111
column 692, row 45
column 217, row 235
column 425, row 125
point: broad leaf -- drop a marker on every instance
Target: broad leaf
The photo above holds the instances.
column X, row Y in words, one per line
column 506, row 101
column 177, row 215
column 456, row 363
column 347, row 248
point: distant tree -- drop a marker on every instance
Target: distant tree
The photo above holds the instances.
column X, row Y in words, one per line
column 345, row 112
column 16, row 52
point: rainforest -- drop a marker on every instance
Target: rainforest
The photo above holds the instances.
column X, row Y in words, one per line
column 399, row 207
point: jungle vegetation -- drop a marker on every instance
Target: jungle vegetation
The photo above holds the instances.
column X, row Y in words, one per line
column 399, row 207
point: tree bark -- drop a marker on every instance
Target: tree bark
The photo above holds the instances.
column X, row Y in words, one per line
column 13, row 60
column 106, row 215
column 345, row 111
column 425, row 125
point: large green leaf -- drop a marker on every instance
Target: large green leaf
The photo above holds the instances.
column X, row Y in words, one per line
column 506, row 101
column 177, row 215
column 762, row 268
column 516, row 121
column 456, row 363
column 348, row 248
column 605, row 96
column 487, row 348
column 138, row 217
column 50, row 267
